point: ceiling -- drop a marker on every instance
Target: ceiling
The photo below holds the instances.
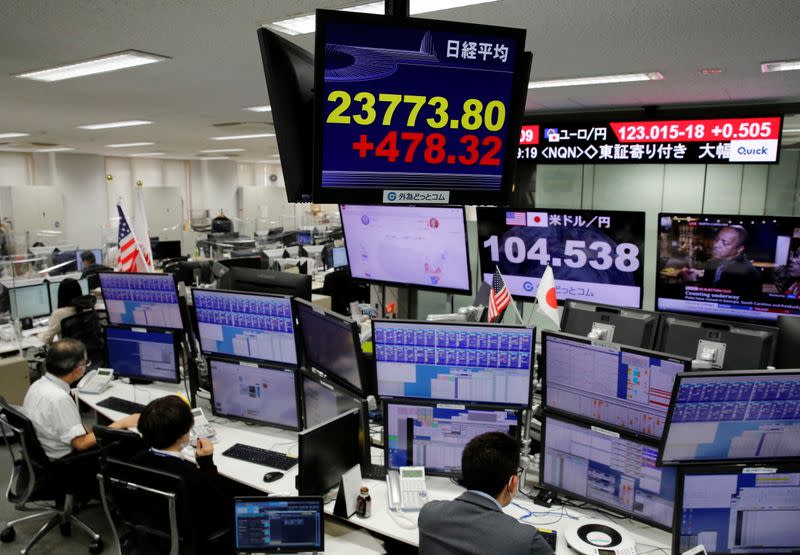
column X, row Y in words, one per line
column 215, row 67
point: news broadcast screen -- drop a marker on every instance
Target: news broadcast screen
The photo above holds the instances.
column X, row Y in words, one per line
column 596, row 255
column 729, row 266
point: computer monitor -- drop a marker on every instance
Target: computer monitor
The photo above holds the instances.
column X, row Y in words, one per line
column 434, row 436
column 191, row 272
column 163, row 250
column 327, row 451
column 338, row 257
column 787, row 353
column 303, row 237
column 246, row 325
column 267, row 281
column 247, row 391
column 242, row 262
column 149, row 300
column 54, row 285
column 291, row 251
column 628, row 326
column 279, row 524
column 331, row 344
column 736, row 510
column 98, row 258
column 717, row 343
column 29, row 301
column 323, row 400
column 64, row 262
column 143, row 354
column 733, row 417
column 610, row 384
column 474, row 363
column 612, row 470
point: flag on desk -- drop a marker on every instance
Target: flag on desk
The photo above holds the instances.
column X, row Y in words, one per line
column 546, row 301
column 141, row 231
column 131, row 258
column 499, row 297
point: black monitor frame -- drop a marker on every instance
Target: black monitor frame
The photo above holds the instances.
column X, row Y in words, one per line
column 323, row 430
column 164, row 250
column 176, row 336
column 245, row 280
column 46, row 285
column 150, row 274
column 580, row 339
column 277, row 368
column 720, row 375
column 787, row 351
column 278, row 548
column 610, row 312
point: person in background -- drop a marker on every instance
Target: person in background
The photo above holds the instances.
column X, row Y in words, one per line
column 787, row 277
column 91, row 268
column 68, row 291
column 474, row 522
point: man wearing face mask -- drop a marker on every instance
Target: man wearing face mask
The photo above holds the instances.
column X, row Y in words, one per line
column 474, row 522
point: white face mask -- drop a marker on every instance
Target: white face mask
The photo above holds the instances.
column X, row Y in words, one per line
column 185, row 443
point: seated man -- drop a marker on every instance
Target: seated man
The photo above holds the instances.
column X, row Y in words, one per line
column 474, row 522
column 91, row 268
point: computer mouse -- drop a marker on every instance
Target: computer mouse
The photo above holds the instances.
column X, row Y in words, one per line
column 272, row 476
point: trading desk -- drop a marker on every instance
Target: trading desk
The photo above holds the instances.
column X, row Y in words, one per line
column 382, row 521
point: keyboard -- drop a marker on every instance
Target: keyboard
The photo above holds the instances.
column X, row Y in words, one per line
column 264, row 457
column 121, row 405
column 373, row 471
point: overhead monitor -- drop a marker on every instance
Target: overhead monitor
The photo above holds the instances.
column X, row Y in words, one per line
column 729, row 266
column 596, row 255
column 331, row 344
column 255, row 393
column 733, row 417
column 29, row 301
column 736, row 510
column 149, row 300
column 279, row 524
column 628, row 326
column 266, row 281
column 327, row 451
column 410, row 246
column 609, row 469
column 467, row 363
column 98, row 258
column 246, row 325
column 717, row 343
column 615, row 385
column 415, row 110
column 54, row 285
column 434, row 436
column 143, row 354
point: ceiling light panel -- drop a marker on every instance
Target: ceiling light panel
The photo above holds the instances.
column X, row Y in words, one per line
column 236, row 137
column 147, row 154
column 259, row 108
column 787, row 65
column 114, row 124
column 13, row 135
column 598, row 80
column 93, row 66
column 55, row 149
column 126, row 145
column 213, row 150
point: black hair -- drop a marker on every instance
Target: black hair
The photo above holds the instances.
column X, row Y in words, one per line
column 164, row 421
column 64, row 356
column 488, row 461
column 88, row 257
column 740, row 231
column 68, row 289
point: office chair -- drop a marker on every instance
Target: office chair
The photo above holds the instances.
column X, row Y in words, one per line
column 35, row 479
column 87, row 326
column 151, row 508
column 117, row 443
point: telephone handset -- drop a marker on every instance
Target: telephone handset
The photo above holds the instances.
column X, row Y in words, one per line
column 406, row 489
column 201, row 428
column 96, row 381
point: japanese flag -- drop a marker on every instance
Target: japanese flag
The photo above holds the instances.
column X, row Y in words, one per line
column 537, row 219
column 546, row 301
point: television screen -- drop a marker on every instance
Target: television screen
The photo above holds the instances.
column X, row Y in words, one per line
column 424, row 247
column 730, row 266
column 411, row 110
column 596, row 256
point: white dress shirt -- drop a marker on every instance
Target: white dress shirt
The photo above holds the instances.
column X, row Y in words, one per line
column 54, row 415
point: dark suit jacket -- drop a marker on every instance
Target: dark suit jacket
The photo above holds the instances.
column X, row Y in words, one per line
column 472, row 524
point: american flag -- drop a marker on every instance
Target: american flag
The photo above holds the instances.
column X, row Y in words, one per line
column 515, row 218
column 130, row 255
column 499, row 297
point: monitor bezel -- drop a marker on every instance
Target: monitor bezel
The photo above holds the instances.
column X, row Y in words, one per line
column 465, row 406
column 176, row 349
column 717, row 374
column 357, row 390
column 46, row 285
column 570, row 308
column 276, row 368
column 497, row 327
column 208, row 352
column 687, row 365
column 279, row 549
column 158, row 276
column 424, row 287
column 585, row 423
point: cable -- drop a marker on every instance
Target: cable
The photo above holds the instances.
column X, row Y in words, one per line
column 656, row 548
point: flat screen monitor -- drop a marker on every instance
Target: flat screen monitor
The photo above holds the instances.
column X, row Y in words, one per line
column 54, row 285
column 255, row 393
column 717, row 343
column 628, row 326
column 279, row 524
column 444, row 106
column 735, row 510
column 327, row 451
column 242, row 262
column 64, row 262
column 411, row 246
column 434, row 436
column 324, row 400
column 606, row 468
column 303, row 237
column 163, row 250
column 148, row 300
column 338, row 257
column 29, row 301
column 468, row 363
column 246, row 325
column 615, row 385
column 143, row 355
column 267, row 281
column 787, row 353
column 729, row 265
column 733, row 417
column 596, row 255
column 98, row 258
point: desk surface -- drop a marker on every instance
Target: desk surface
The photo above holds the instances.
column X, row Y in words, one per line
column 382, row 520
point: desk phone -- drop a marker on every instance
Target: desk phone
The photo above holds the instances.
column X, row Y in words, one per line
column 407, row 490
column 96, row 381
column 201, row 428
